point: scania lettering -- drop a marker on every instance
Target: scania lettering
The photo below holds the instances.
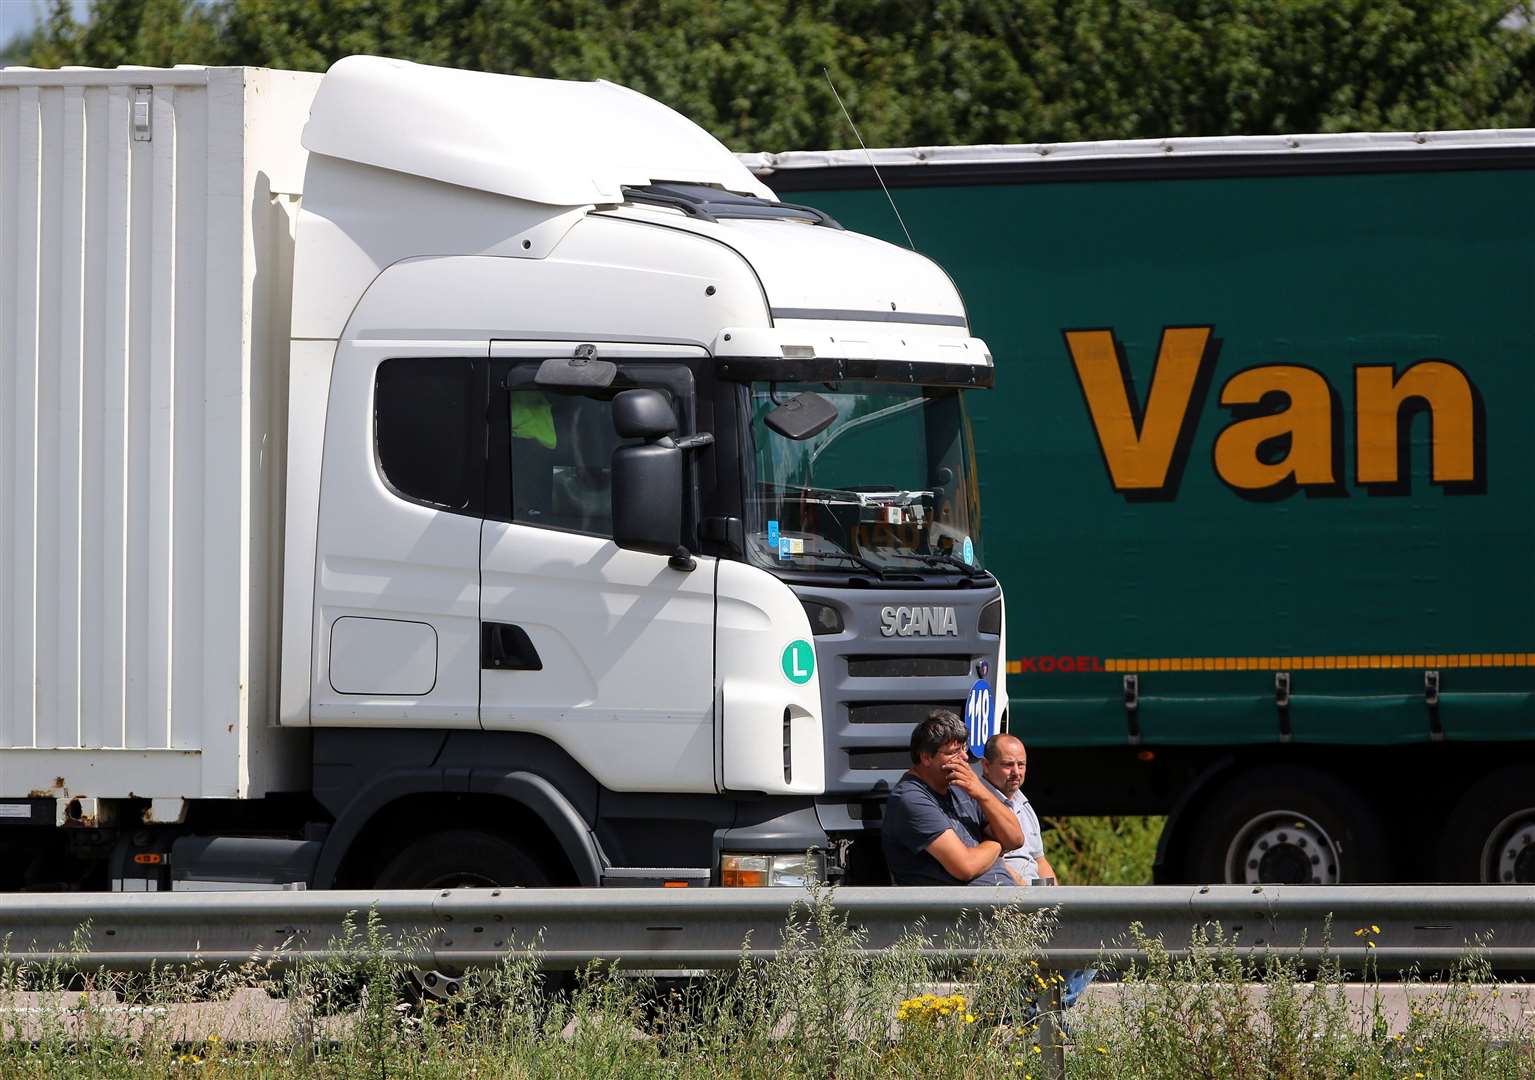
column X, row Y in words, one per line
column 917, row 622
column 418, row 478
column 1258, row 479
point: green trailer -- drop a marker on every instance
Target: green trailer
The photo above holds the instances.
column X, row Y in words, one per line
column 1256, row 481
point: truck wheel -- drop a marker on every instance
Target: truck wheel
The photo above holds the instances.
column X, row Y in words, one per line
column 1286, row 826
column 462, row 858
column 1490, row 835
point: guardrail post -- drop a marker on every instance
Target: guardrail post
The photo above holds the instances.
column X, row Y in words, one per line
column 1052, row 1039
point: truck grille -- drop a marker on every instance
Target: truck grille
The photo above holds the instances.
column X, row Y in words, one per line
column 875, row 689
column 907, row 713
column 904, row 667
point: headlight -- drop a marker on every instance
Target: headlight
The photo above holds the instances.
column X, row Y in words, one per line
column 824, row 619
column 991, row 618
column 760, row 871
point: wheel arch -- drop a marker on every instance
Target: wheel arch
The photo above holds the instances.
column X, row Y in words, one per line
column 1167, row 864
column 402, row 806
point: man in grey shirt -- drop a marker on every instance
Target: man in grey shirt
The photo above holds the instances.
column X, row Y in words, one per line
column 1004, row 766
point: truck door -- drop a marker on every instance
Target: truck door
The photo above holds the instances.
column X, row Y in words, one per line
column 608, row 653
column 397, row 587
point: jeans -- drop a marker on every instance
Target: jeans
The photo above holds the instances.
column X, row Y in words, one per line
column 1076, row 982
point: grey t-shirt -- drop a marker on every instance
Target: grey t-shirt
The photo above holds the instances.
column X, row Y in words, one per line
column 915, row 816
column 1024, row 860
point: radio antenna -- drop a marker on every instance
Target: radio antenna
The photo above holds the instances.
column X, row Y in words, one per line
column 849, row 116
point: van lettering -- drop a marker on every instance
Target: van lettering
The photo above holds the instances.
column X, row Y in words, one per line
column 1283, row 435
column 1287, row 427
column 1143, row 448
column 1386, row 405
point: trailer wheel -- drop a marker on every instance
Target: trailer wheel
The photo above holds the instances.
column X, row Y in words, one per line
column 1490, row 835
column 1277, row 826
column 462, row 858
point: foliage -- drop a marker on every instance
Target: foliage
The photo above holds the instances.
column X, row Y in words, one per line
column 912, row 72
column 823, row 1008
column 1103, row 850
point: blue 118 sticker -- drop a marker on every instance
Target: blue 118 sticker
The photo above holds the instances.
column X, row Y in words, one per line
column 978, row 718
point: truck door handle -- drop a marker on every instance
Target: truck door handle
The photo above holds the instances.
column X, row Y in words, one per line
column 505, row 647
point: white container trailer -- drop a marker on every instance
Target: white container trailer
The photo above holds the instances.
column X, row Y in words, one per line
column 536, row 503
column 146, row 222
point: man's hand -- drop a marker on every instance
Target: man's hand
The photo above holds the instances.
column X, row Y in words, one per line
column 962, row 776
column 1001, row 823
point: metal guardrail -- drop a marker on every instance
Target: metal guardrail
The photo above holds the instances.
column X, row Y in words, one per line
column 1429, row 926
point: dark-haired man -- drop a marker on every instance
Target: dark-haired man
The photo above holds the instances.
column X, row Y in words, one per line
column 942, row 825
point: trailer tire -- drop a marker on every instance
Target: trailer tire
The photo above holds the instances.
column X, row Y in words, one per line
column 1279, row 825
column 462, row 858
column 1490, row 834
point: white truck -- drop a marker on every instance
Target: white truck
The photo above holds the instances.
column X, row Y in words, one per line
column 416, row 477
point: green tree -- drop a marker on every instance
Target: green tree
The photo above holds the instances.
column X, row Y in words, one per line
column 153, row 32
column 911, row 72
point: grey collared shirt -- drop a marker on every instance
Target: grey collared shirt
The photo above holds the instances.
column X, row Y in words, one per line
column 1024, row 861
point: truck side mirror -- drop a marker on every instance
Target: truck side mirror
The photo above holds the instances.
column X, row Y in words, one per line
column 647, row 480
column 643, row 414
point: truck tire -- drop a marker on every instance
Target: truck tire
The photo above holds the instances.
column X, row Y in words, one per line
column 1286, row 825
column 1490, row 834
column 462, row 858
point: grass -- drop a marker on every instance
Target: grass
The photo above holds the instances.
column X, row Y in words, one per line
column 819, row 1009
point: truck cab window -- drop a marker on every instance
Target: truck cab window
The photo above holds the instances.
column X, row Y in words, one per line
column 425, row 430
column 562, row 451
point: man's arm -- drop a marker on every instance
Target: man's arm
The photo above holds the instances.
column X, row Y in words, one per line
column 1042, row 864
column 965, row 863
column 1001, row 823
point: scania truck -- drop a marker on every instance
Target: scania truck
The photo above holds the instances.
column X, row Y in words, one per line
column 1258, row 479
column 417, row 478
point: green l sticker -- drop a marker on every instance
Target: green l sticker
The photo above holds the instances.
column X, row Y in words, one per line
column 798, row 662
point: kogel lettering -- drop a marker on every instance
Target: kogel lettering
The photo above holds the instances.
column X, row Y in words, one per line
column 1029, row 665
column 918, row 622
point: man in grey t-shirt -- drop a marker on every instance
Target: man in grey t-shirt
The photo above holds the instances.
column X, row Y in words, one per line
column 942, row 825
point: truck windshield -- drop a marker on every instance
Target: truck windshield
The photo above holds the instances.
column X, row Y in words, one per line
column 888, row 487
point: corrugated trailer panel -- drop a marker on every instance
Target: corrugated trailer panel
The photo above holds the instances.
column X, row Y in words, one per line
column 135, row 224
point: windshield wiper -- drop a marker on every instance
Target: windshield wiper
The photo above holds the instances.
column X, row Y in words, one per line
column 943, row 558
column 872, row 567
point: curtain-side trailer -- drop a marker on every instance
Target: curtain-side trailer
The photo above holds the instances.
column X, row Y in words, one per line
column 1256, row 474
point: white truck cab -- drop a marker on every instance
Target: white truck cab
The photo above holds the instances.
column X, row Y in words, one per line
column 629, row 515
